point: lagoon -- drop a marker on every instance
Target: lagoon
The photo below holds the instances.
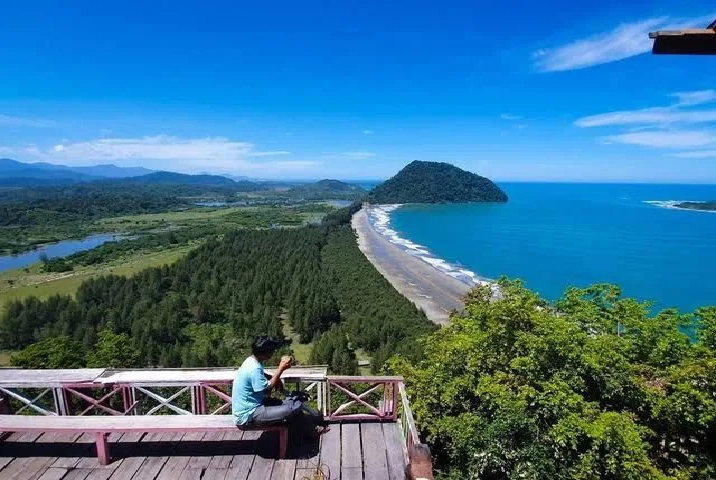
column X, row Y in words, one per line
column 53, row 250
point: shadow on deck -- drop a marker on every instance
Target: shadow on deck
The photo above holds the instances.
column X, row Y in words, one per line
column 350, row 451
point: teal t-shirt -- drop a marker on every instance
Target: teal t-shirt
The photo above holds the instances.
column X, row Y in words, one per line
column 250, row 385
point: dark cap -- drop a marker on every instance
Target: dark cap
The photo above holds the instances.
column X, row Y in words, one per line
column 265, row 344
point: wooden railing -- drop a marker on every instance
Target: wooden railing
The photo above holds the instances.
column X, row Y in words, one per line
column 200, row 391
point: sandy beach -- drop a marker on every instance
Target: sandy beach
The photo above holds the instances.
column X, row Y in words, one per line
column 427, row 287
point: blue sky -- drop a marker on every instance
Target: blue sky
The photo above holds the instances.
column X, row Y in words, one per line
column 515, row 90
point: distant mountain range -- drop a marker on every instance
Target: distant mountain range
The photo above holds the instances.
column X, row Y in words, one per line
column 19, row 173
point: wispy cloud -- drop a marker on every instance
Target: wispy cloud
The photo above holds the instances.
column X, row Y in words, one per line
column 358, row 155
column 674, row 113
column 697, row 154
column 270, row 153
column 368, row 132
column 217, row 154
column 10, row 121
column 694, row 98
column 507, row 116
column 624, row 41
column 664, row 139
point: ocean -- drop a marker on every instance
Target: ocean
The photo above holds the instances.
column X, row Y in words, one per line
column 556, row 235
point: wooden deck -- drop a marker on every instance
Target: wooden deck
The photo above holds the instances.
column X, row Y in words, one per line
column 350, row 451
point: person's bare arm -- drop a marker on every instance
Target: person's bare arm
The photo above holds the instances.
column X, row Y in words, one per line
column 275, row 381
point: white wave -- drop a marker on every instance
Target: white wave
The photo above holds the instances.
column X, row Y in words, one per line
column 379, row 218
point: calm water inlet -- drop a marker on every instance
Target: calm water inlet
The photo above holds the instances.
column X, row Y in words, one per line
column 53, row 250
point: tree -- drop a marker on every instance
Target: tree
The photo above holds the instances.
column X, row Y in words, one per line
column 594, row 387
column 57, row 352
column 113, row 350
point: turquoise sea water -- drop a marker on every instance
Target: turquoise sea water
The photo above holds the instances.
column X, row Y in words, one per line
column 556, row 235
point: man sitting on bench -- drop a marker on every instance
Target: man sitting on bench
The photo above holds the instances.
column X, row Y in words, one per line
column 250, row 404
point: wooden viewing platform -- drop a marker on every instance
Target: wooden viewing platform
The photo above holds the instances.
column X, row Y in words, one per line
column 373, row 435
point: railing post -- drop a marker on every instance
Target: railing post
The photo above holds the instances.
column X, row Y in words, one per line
column 5, row 404
column 61, row 407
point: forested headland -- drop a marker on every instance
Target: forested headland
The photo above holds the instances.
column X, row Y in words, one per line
column 205, row 309
column 706, row 206
column 436, row 182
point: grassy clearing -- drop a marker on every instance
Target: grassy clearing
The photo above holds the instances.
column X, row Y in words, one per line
column 158, row 219
column 301, row 351
column 19, row 284
column 5, row 357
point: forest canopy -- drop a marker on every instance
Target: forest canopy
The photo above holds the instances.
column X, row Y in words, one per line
column 592, row 387
column 205, row 309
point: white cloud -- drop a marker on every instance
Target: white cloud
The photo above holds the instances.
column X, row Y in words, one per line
column 507, row 116
column 697, row 154
column 659, row 116
column 624, row 41
column 674, row 113
column 269, row 153
column 358, row 155
column 694, row 98
column 664, row 139
column 368, row 132
column 10, row 121
column 217, row 154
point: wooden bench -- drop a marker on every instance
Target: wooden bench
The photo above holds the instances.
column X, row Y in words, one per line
column 101, row 426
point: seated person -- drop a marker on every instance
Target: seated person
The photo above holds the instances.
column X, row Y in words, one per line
column 250, row 403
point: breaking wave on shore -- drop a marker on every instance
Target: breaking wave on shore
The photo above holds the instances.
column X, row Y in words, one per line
column 379, row 219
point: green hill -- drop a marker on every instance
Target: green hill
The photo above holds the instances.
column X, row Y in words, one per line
column 436, row 182
column 329, row 189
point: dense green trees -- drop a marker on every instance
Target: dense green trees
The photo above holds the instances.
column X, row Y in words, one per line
column 205, row 309
column 594, row 387
column 436, row 182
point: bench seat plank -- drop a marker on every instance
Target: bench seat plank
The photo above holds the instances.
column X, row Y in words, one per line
column 129, row 423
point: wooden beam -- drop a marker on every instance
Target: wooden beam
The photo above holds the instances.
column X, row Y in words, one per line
column 692, row 41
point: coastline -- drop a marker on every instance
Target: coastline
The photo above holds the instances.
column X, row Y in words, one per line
column 430, row 283
column 674, row 205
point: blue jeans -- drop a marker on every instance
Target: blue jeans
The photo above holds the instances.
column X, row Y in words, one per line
column 276, row 411
column 300, row 417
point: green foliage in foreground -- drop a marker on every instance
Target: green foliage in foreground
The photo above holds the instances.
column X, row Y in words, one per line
column 592, row 388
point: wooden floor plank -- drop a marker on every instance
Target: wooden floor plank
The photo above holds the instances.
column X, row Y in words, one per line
column 86, row 450
column 222, row 462
column 191, row 474
column 216, row 474
column 375, row 461
column 261, row 468
column 350, row 446
column 394, row 451
column 4, row 461
column 201, row 462
column 78, row 474
column 330, row 455
column 283, row 469
column 154, row 443
column 53, row 473
column 240, row 467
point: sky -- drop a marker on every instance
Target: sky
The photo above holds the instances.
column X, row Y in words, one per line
column 513, row 90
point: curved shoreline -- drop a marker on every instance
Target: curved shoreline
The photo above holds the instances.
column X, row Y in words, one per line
column 420, row 280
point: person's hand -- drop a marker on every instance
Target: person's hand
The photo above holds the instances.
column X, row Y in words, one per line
column 285, row 363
